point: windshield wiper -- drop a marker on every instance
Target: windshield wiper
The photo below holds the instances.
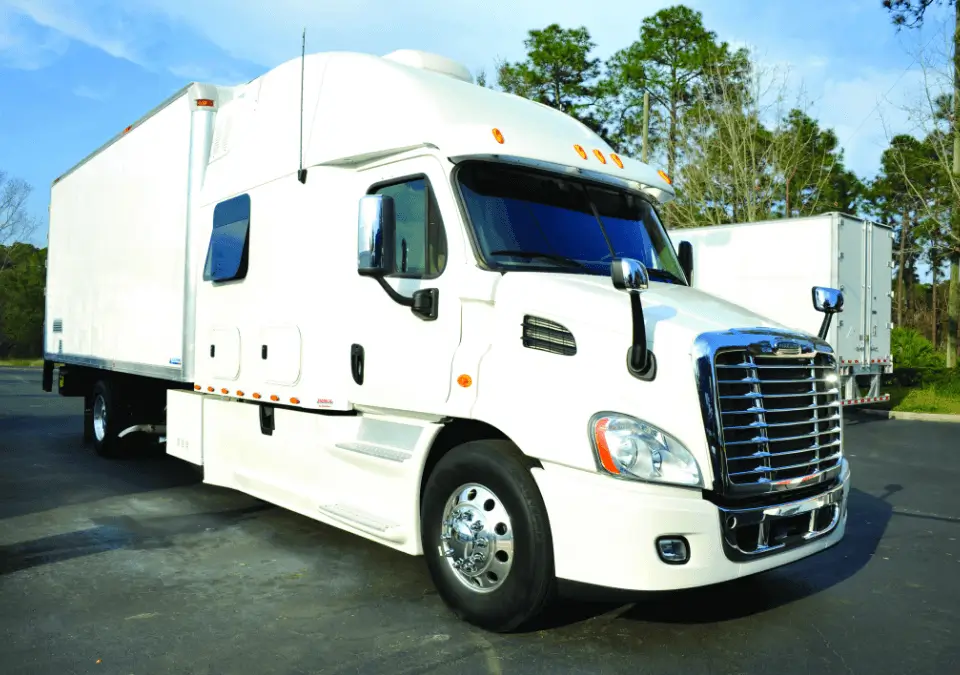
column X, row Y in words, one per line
column 559, row 259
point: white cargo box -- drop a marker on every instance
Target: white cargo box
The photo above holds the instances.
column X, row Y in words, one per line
column 118, row 281
column 770, row 266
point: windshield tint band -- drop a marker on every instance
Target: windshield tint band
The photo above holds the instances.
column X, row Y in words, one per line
column 538, row 220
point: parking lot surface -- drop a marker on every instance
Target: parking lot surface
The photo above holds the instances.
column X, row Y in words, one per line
column 135, row 566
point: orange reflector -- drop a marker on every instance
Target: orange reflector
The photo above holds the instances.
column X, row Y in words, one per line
column 603, row 448
column 616, row 160
column 205, row 102
column 580, row 151
column 274, row 397
column 256, row 395
column 239, row 393
column 295, row 401
column 128, row 129
column 209, row 388
column 497, row 135
column 224, row 391
column 664, row 176
column 599, row 155
column 196, row 387
column 464, row 380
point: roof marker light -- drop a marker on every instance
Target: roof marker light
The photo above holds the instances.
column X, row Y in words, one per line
column 498, row 136
column 664, row 176
column 616, row 160
column 599, row 155
column 205, row 102
column 580, row 151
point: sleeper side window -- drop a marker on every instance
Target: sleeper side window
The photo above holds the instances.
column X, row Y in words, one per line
column 229, row 249
column 421, row 243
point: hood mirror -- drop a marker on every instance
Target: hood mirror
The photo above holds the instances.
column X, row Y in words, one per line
column 629, row 274
column 827, row 300
column 830, row 302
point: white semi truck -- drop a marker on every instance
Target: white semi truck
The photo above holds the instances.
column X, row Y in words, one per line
column 443, row 318
column 769, row 266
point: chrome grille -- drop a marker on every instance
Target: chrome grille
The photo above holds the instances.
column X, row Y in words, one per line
column 780, row 417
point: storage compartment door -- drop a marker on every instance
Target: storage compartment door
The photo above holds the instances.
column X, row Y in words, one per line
column 879, row 285
column 185, row 426
column 852, row 275
column 223, row 352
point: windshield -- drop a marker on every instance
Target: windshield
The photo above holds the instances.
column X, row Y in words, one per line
column 526, row 220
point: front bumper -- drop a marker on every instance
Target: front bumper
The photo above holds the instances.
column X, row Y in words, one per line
column 605, row 531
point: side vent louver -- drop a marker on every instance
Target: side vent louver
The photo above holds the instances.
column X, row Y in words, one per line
column 58, row 325
column 548, row 336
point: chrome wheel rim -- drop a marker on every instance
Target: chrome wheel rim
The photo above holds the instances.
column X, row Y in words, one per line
column 476, row 538
column 99, row 418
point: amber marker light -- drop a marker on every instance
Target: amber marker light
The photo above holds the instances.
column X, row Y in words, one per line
column 498, row 136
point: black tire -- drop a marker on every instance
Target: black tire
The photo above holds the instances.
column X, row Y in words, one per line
column 530, row 584
column 107, row 444
column 87, row 420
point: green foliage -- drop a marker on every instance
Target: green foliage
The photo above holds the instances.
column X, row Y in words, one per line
column 679, row 62
column 22, row 280
column 815, row 177
column 912, row 350
column 558, row 70
column 910, row 13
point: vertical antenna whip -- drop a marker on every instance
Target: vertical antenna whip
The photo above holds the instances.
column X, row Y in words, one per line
column 302, row 174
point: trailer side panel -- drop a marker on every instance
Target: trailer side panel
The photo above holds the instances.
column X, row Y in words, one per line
column 115, row 281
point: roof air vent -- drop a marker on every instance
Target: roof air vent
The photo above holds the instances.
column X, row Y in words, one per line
column 433, row 62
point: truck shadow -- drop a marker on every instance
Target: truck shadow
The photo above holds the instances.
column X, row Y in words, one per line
column 119, row 532
column 868, row 518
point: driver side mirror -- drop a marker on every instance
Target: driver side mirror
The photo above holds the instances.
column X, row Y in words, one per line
column 685, row 254
column 376, row 236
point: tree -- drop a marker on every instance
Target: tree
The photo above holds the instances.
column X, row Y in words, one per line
column 911, row 13
column 15, row 223
column 678, row 61
column 815, row 179
column 558, row 70
column 748, row 156
column 22, row 300
column 901, row 193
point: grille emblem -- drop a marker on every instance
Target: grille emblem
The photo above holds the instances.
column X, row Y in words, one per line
column 787, row 348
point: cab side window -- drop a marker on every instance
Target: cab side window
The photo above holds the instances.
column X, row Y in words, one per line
column 421, row 245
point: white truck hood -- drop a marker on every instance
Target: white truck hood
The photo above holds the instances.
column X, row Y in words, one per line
column 674, row 315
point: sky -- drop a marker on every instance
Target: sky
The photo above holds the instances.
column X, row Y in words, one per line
column 75, row 72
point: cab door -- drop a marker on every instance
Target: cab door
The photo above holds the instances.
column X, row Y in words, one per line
column 407, row 359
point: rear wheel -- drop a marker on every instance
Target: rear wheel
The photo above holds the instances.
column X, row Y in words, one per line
column 107, row 420
column 486, row 537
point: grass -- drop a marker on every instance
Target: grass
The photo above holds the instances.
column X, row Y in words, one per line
column 20, row 363
column 927, row 399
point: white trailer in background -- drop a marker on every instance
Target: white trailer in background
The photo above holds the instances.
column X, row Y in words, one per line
column 769, row 267
column 443, row 318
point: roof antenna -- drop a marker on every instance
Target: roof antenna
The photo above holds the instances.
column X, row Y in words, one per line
column 302, row 173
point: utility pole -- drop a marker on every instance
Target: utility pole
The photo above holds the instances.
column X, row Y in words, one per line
column 646, row 124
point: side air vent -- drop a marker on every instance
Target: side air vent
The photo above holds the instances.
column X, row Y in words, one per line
column 548, row 336
column 58, row 325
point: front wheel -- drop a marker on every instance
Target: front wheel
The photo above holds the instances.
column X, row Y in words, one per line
column 486, row 536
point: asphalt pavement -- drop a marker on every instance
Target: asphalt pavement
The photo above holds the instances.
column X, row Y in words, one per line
column 136, row 567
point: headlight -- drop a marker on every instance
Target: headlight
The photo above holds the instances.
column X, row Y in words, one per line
column 629, row 448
